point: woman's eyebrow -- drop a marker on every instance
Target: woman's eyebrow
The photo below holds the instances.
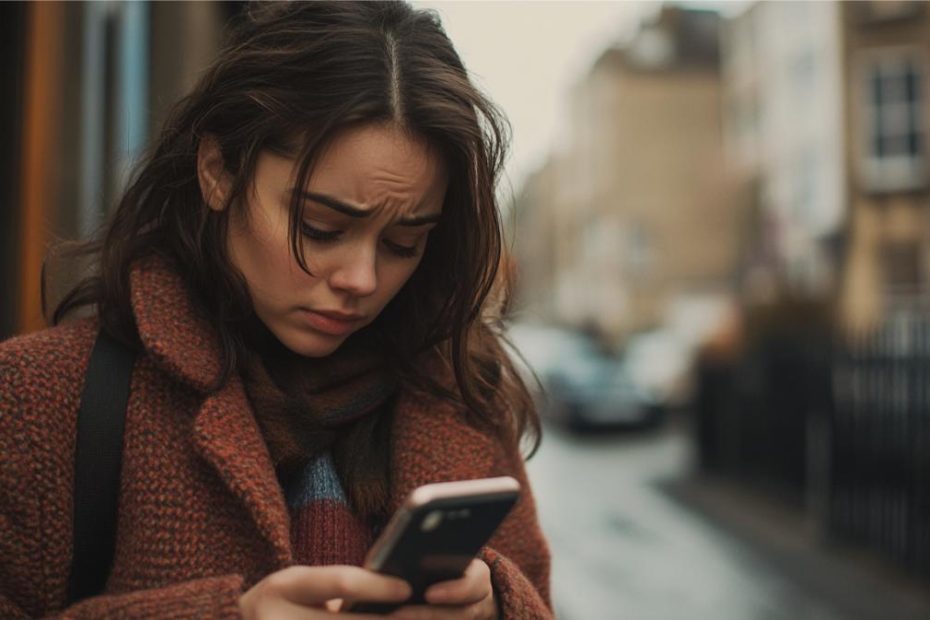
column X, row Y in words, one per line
column 345, row 209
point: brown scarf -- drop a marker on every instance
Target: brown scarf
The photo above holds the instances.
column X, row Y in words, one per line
column 303, row 404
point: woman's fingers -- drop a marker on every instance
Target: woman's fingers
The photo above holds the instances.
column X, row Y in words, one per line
column 314, row 585
column 472, row 587
column 291, row 611
column 482, row 610
column 309, row 591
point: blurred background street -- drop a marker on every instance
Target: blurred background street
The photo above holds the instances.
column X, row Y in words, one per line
column 635, row 536
column 719, row 222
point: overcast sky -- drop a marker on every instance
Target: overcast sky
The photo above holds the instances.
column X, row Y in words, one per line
column 525, row 56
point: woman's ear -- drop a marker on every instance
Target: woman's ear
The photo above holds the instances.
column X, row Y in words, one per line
column 215, row 181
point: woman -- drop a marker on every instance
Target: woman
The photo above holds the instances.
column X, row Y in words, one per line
column 304, row 264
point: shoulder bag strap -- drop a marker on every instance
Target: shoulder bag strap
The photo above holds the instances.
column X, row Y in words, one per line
column 98, row 459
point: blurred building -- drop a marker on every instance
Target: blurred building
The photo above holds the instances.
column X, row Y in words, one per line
column 825, row 121
column 886, row 52
column 783, row 131
column 635, row 215
column 85, row 85
column 827, row 113
column 538, row 246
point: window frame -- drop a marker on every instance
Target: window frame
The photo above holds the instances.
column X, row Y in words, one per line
column 902, row 171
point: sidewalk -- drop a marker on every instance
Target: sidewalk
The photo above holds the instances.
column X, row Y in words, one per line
column 859, row 583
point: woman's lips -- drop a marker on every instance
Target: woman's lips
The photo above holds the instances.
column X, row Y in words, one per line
column 334, row 324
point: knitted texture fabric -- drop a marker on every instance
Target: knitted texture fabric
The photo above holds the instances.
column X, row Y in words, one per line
column 202, row 515
column 301, row 404
column 323, row 528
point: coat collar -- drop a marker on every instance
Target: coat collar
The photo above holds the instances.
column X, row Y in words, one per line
column 173, row 331
column 179, row 339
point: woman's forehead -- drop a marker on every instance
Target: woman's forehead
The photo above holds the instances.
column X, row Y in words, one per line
column 379, row 168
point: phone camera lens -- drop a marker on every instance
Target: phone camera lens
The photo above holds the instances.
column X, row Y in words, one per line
column 431, row 521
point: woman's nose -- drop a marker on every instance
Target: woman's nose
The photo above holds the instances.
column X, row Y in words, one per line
column 356, row 272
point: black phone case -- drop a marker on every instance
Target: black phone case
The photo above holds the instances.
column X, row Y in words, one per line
column 426, row 555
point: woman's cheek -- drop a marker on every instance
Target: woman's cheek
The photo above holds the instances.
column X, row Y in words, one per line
column 405, row 272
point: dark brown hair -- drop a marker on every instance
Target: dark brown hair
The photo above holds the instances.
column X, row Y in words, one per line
column 307, row 70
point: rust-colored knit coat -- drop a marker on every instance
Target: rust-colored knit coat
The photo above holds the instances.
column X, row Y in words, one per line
column 202, row 516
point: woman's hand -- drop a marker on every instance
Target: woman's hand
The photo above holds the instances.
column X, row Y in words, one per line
column 470, row 596
column 315, row 592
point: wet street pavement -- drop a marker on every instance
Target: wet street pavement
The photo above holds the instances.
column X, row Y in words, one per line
column 627, row 546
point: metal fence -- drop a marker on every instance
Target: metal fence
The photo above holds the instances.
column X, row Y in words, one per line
column 839, row 427
column 880, row 457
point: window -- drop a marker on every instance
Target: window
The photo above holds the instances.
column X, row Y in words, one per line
column 893, row 125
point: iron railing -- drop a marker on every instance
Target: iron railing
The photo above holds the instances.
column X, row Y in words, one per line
column 839, row 426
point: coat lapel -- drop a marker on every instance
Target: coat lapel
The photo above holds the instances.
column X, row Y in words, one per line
column 227, row 437
column 183, row 343
column 431, row 442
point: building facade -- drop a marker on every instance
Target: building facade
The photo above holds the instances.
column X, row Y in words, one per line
column 89, row 83
column 635, row 210
column 784, row 140
column 886, row 51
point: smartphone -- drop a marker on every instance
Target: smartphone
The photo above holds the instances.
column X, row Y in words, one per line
column 436, row 533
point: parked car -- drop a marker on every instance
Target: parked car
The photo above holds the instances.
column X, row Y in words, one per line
column 661, row 365
column 579, row 385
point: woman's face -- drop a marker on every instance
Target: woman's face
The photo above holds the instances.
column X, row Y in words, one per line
column 368, row 208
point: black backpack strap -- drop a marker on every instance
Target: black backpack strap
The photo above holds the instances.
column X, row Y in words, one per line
column 98, row 459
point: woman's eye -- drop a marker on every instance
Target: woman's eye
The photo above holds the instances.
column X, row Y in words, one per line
column 405, row 251
column 317, row 234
